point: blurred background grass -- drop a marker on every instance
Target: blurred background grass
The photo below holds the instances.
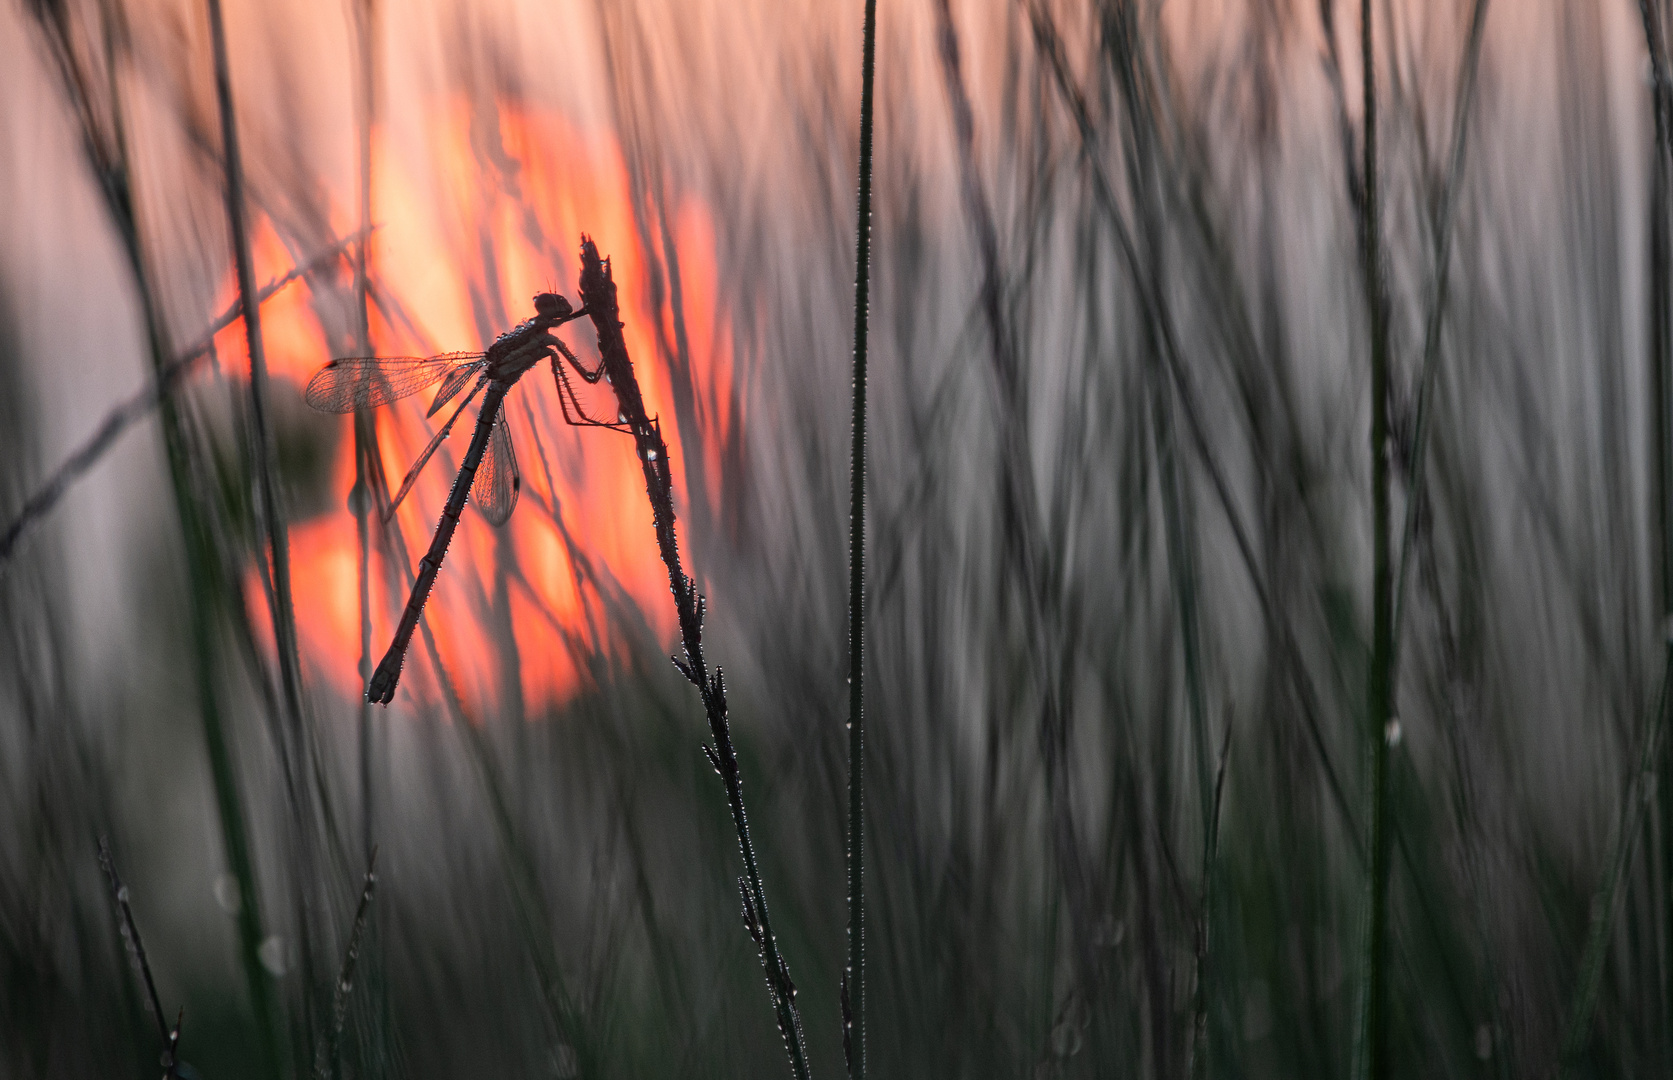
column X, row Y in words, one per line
column 1120, row 542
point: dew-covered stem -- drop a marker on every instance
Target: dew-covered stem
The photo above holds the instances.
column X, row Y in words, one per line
column 598, row 295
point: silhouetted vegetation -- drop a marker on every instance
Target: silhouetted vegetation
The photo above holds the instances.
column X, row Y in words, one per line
column 1269, row 547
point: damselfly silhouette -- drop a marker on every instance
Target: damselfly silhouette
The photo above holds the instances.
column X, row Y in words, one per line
column 490, row 467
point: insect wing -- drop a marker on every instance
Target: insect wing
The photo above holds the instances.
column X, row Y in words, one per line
column 451, row 385
column 424, row 458
column 365, row 382
column 497, row 483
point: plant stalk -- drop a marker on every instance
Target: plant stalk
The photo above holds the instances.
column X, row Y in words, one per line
column 598, row 295
column 853, row 979
column 284, row 636
column 1373, row 1051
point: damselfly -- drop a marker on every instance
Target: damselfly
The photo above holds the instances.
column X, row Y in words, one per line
column 489, row 469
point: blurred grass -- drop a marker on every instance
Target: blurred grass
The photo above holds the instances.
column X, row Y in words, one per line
column 1119, row 518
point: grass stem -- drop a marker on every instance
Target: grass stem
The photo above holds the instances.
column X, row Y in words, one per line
column 598, row 294
column 136, row 949
column 365, row 428
column 351, row 958
column 273, row 520
column 853, row 979
column 1372, row 1054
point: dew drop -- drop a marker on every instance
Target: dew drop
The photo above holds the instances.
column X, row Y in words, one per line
column 272, row 955
column 227, row 894
column 122, row 895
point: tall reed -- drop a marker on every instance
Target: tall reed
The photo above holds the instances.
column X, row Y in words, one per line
column 1379, row 732
column 854, row 974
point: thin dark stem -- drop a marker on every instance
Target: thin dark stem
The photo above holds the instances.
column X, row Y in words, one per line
column 1120, row 41
column 351, row 958
column 1437, row 311
column 1661, row 385
column 365, row 428
column 853, row 978
column 1155, row 309
column 1027, row 557
column 1373, row 1053
column 271, row 517
column 1606, row 902
column 106, row 155
column 136, row 949
column 278, row 547
column 1210, row 854
column 130, row 936
column 598, row 294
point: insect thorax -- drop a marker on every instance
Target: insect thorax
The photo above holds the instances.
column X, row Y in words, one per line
column 516, row 350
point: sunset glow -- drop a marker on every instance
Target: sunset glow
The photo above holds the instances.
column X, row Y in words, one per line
column 466, row 236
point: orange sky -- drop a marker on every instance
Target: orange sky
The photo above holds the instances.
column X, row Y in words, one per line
column 572, row 184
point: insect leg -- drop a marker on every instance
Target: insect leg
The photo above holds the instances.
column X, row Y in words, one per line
column 567, row 397
column 590, row 377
